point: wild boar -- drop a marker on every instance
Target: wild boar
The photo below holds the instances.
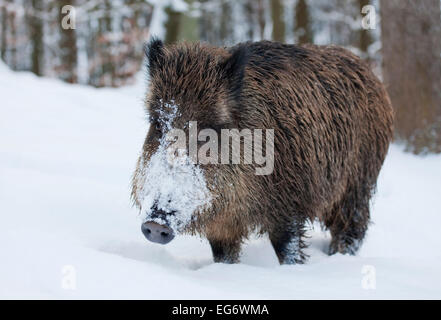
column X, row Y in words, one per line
column 313, row 123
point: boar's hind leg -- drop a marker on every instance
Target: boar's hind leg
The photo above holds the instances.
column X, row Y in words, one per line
column 348, row 222
column 288, row 243
column 225, row 251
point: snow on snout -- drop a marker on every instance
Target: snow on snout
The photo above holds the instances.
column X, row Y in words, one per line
column 173, row 183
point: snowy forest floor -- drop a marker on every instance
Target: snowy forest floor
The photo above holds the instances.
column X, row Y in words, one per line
column 69, row 231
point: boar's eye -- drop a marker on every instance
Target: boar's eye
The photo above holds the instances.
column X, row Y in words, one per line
column 155, row 124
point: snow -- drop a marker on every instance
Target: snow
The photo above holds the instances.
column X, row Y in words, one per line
column 69, row 230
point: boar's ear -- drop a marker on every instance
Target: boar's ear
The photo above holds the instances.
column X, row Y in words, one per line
column 233, row 68
column 154, row 54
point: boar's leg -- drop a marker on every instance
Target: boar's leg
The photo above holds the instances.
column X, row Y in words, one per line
column 287, row 241
column 225, row 251
column 348, row 222
column 347, row 238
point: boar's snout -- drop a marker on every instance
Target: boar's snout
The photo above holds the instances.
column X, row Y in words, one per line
column 157, row 233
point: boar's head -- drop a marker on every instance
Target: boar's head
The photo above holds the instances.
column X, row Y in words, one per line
column 189, row 84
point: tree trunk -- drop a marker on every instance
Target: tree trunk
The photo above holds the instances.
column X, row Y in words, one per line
column 225, row 28
column 13, row 59
column 278, row 20
column 411, row 37
column 189, row 25
column 365, row 39
column 261, row 18
column 68, row 48
column 36, row 38
column 4, row 33
column 302, row 27
column 249, row 17
column 172, row 25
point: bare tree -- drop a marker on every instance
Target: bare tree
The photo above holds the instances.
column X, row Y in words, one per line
column 13, row 41
column 277, row 11
column 365, row 38
column 68, row 47
column 411, row 37
column 4, row 26
column 225, row 27
column 302, row 27
column 172, row 25
column 36, row 36
column 261, row 17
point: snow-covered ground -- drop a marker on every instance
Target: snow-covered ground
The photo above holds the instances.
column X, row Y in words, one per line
column 68, row 229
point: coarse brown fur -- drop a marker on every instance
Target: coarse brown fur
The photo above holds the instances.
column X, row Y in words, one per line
column 332, row 122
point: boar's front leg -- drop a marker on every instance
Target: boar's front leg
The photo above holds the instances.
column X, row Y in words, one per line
column 287, row 241
column 225, row 251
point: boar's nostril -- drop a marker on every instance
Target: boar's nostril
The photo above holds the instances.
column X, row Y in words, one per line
column 156, row 232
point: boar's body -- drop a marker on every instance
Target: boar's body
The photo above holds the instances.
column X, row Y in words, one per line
column 332, row 122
